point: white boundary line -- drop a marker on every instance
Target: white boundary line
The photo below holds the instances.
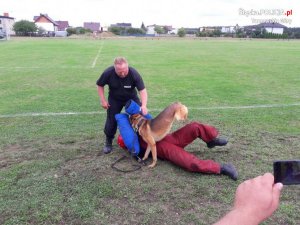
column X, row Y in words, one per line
column 49, row 114
column 97, row 56
column 49, row 67
column 247, row 106
column 191, row 108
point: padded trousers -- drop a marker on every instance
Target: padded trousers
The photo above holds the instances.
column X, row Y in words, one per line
column 171, row 148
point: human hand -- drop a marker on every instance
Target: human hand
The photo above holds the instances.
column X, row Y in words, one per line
column 144, row 110
column 258, row 198
column 105, row 104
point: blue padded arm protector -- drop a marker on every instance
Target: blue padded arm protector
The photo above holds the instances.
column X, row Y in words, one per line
column 132, row 107
column 129, row 136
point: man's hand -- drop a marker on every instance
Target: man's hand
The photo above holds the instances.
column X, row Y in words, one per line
column 258, row 198
column 255, row 200
column 144, row 110
column 105, row 104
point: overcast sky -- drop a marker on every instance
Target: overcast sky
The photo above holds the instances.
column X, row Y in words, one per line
column 177, row 13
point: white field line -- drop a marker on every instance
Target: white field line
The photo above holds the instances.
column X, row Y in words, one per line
column 50, row 114
column 247, row 106
column 20, row 67
column 98, row 54
column 191, row 108
column 43, row 67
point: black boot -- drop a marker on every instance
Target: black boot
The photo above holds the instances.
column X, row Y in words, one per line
column 108, row 145
column 229, row 170
column 217, row 142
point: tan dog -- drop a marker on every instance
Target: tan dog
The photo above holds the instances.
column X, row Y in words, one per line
column 156, row 129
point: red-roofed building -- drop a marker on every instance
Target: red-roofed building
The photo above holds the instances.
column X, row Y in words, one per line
column 45, row 22
column 62, row 25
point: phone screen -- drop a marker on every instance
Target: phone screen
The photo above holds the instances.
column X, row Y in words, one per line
column 287, row 172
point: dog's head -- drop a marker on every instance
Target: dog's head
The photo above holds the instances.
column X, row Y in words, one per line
column 134, row 119
column 181, row 111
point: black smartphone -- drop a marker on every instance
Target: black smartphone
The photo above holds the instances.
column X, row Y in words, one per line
column 287, row 172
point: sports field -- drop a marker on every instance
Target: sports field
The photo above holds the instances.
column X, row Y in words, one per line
column 51, row 128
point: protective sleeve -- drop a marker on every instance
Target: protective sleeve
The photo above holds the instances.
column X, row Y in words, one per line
column 129, row 136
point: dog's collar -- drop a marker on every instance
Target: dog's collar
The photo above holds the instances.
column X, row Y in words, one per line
column 139, row 123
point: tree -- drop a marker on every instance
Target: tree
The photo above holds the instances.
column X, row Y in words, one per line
column 217, row 33
column 71, row 31
column 166, row 29
column 159, row 29
column 115, row 30
column 181, row 32
column 25, row 28
column 143, row 27
column 135, row 31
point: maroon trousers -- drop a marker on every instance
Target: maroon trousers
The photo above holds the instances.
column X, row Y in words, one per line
column 171, row 148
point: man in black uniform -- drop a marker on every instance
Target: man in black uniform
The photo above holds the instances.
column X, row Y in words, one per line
column 122, row 82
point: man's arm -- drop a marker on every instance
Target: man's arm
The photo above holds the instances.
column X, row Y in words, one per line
column 255, row 201
column 144, row 99
column 103, row 101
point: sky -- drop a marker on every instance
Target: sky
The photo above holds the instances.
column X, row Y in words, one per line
column 175, row 13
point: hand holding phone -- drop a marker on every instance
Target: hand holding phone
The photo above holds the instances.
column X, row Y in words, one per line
column 287, row 172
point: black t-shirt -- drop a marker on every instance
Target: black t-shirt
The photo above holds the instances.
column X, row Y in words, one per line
column 121, row 89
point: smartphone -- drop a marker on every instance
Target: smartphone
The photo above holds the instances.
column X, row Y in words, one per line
column 287, row 172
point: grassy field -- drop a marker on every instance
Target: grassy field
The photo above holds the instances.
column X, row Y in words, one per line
column 50, row 169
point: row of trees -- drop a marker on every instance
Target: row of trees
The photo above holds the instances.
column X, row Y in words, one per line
column 143, row 30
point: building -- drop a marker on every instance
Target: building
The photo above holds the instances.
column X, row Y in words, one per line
column 62, row 25
column 151, row 30
column 45, row 22
column 274, row 28
column 192, row 31
column 94, row 27
column 6, row 24
column 122, row 25
column 208, row 29
column 228, row 29
column 166, row 29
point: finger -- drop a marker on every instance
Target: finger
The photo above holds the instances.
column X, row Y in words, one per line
column 276, row 195
column 268, row 179
column 268, row 176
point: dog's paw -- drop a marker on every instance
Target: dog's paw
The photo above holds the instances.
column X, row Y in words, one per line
column 152, row 165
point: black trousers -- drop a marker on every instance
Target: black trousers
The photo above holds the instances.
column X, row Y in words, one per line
column 116, row 107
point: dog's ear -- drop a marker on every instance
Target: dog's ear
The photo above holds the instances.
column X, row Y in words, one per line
column 181, row 112
column 185, row 112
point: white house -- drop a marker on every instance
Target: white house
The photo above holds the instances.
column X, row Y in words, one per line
column 228, row 29
column 173, row 31
column 45, row 22
column 274, row 28
column 151, row 30
column 6, row 24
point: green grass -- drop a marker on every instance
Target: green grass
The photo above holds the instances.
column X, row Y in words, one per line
column 50, row 170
